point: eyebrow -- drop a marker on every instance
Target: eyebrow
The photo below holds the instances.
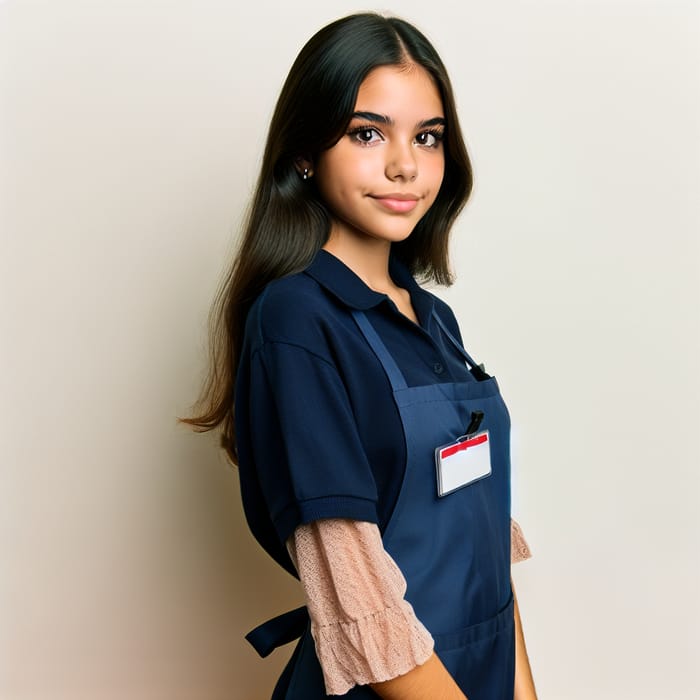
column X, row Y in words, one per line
column 384, row 119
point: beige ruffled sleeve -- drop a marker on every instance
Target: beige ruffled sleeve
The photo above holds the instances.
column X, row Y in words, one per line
column 363, row 628
column 519, row 548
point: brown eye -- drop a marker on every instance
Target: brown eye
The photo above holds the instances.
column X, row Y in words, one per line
column 428, row 138
column 365, row 135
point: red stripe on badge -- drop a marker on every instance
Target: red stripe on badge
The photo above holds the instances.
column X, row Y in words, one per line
column 458, row 447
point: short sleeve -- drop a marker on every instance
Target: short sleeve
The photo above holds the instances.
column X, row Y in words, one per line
column 309, row 458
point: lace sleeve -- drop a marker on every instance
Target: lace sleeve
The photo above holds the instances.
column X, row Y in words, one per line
column 363, row 628
column 519, row 548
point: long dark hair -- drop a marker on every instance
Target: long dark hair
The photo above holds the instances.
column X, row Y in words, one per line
column 288, row 222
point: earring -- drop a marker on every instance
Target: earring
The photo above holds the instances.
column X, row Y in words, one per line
column 305, row 176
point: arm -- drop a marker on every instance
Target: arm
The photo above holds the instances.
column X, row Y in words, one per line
column 430, row 681
column 363, row 629
column 348, row 580
column 524, row 683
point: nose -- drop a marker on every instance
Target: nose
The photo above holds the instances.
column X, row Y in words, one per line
column 401, row 162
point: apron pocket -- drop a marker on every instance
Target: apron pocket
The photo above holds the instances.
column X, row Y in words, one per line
column 502, row 621
column 481, row 658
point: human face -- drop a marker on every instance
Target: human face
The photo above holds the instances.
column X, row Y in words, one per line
column 384, row 174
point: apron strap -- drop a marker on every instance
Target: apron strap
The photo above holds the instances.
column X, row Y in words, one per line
column 279, row 630
column 392, row 370
column 477, row 370
column 375, row 342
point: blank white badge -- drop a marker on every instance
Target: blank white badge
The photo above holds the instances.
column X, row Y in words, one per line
column 463, row 462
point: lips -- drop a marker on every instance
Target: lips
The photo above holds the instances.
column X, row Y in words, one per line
column 398, row 202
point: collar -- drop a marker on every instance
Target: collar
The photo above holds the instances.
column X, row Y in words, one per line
column 337, row 278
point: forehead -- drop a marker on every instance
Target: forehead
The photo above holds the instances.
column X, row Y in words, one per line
column 400, row 91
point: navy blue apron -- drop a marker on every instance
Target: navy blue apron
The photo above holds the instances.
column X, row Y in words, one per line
column 454, row 550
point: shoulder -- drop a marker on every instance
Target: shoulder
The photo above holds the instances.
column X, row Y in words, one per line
column 295, row 310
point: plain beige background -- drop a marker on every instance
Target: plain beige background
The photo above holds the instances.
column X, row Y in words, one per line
column 130, row 134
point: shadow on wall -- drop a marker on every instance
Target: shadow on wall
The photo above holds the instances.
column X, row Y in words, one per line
column 248, row 586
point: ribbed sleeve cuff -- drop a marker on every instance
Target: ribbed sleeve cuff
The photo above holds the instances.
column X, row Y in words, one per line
column 302, row 512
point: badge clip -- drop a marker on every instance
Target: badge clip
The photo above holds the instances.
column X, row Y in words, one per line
column 474, row 423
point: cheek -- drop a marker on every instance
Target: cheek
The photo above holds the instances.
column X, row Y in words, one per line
column 436, row 170
column 347, row 176
column 358, row 168
column 433, row 173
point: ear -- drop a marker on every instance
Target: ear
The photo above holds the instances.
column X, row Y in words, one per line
column 304, row 167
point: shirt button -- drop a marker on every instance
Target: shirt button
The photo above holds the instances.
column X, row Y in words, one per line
column 438, row 368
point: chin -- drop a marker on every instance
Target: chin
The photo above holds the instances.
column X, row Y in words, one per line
column 398, row 236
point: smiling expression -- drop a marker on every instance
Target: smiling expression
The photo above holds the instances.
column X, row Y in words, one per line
column 384, row 174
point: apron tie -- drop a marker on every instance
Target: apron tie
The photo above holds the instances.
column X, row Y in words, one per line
column 279, row 630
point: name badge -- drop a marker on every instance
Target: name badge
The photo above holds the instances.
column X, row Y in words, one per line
column 463, row 462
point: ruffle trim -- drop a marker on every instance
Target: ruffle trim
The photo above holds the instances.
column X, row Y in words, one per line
column 375, row 648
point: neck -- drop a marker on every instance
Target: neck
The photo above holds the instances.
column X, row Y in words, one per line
column 369, row 260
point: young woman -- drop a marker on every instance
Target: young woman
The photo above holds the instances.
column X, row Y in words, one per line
column 373, row 452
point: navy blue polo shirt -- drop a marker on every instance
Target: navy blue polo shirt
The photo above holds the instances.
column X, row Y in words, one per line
column 318, row 432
